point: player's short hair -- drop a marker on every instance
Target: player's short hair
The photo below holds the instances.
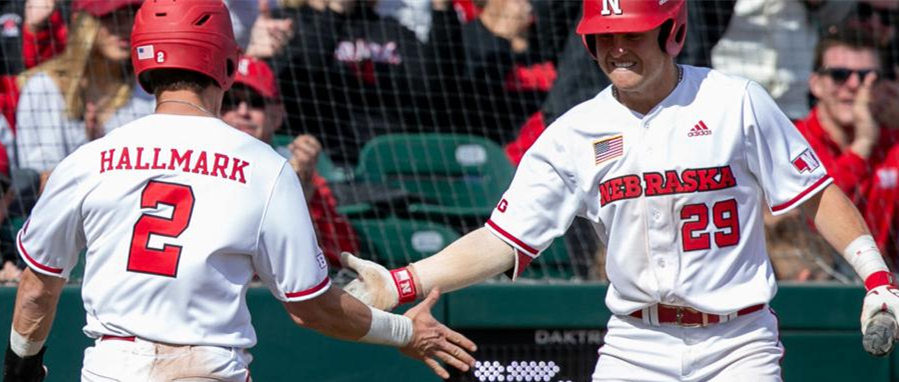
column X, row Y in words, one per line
column 853, row 38
column 161, row 80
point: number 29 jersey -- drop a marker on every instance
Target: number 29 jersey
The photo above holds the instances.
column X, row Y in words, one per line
column 177, row 214
column 675, row 194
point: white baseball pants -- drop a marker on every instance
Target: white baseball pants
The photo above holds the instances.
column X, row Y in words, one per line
column 117, row 360
column 746, row 348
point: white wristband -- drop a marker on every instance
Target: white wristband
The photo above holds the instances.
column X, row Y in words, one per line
column 865, row 258
column 388, row 329
column 22, row 346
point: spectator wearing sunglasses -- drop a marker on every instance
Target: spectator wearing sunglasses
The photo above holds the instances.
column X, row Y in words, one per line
column 253, row 106
column 844, row 127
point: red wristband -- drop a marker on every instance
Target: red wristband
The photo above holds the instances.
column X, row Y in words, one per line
column 405, row 284
column 879, row 278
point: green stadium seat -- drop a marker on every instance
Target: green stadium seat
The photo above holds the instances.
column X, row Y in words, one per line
column 457, row 175
column 396, row 242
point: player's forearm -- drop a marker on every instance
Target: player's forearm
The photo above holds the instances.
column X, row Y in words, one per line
column 836, row 217
column 338, row 314
column 35, row 306
column 335, row 313
column 840, row 223
column 473, row 258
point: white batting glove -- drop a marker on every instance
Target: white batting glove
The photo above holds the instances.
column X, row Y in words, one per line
column 374, row 285
column 881, row 297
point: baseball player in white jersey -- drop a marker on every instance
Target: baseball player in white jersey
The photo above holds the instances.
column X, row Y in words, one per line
column 178, row 211
column 670, row 164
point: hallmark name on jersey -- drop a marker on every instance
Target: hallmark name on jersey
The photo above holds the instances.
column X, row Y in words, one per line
column 667, row 183
column 189, row 161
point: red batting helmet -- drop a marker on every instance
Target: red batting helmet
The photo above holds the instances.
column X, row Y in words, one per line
column 193, row 35
column 635, row 16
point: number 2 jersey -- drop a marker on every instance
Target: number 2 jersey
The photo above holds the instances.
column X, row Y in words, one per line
column 675, row 194
column 177, row 214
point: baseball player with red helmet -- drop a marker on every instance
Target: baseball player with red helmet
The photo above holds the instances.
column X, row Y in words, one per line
column 670, row 164
column 175, row 229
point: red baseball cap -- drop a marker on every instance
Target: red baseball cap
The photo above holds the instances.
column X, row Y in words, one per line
column 257, row 75
column 100, row 8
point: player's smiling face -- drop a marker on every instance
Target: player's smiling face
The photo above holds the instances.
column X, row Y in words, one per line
column 633, row 61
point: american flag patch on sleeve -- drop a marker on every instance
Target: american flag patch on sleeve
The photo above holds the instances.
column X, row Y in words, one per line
column 608, row 148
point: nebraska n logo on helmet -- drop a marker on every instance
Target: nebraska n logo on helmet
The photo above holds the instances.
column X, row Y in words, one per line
column 194, row 35
column 609, row 6
column 635, row 16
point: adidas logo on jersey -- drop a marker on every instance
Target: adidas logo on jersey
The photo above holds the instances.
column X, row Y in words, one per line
column 699, row 129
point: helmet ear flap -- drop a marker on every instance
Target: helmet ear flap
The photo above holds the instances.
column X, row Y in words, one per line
column 676, row 42
column 672, row 43
column 664, row 34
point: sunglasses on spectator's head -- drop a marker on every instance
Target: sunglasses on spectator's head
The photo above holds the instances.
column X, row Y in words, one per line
column 841, row 75
column 234, row 97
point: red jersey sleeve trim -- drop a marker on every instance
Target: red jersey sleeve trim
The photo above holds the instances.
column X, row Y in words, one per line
column 311, row 291
column 530, row 250
column 785, row 206
column 31, row 261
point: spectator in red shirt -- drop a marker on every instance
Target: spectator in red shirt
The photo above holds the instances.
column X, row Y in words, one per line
column 253, row 105
column 843, row 128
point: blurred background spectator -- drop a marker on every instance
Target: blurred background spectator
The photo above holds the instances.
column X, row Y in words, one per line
column 351, row 74
column 508, row 66
column 780, row 34
column 83, row 93
column 860, row 153
column 253, row 106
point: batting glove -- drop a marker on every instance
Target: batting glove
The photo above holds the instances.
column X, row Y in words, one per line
column 376, row 286
column 24, row 369
column 882, row 296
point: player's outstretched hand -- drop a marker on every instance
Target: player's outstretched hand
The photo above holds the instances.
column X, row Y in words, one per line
column 374, row 286
column 433, row 341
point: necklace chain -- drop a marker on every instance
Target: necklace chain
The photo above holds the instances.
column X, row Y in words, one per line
column 191, row 104
column 680, row 76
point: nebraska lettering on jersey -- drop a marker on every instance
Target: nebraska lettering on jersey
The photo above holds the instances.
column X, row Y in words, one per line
column 155, row 158
column 671, row 182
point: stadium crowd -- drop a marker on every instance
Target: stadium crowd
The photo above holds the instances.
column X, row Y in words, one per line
column 321, row 78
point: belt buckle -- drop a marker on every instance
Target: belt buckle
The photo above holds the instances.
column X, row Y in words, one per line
column 679, row 316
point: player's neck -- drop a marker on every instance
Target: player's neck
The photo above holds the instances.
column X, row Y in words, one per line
column 650, row 95
column 187, row 102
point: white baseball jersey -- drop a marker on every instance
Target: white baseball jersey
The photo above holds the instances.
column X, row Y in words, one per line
column 177, row 214
column 675, row 194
